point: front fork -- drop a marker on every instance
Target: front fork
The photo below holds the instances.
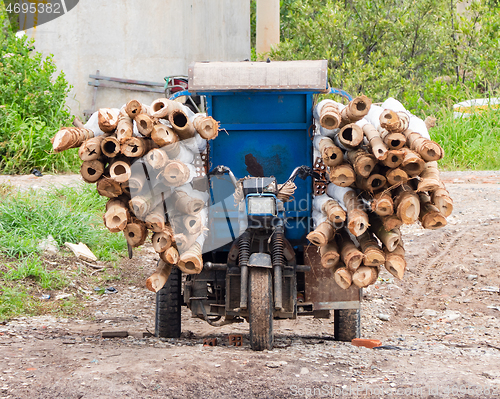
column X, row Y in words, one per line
column 278, row 262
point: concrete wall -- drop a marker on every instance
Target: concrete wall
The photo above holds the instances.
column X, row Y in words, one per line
column 143, row 40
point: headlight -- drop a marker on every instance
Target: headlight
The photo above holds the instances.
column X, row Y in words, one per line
column 261, row 205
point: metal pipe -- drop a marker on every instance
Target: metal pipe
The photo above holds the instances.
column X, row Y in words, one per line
column 278, row 287
column 215, row 266
column 278, row 259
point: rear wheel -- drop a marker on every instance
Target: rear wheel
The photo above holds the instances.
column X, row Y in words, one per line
column 346, row 324
column 260, row 298
column 168, row 307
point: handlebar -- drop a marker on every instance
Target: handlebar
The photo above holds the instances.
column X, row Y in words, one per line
column 301, row 171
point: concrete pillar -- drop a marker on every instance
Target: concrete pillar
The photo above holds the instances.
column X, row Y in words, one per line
column 268, row 25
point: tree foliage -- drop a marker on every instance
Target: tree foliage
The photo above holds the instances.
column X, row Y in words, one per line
column 32, row 106
column 421, row 52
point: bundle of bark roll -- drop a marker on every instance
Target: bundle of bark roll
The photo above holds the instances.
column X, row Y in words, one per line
column 383, row 170
column 143, row 159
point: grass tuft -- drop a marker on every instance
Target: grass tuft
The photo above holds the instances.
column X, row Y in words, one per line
column 68, row 214
column 32, row 268
column 471, row 143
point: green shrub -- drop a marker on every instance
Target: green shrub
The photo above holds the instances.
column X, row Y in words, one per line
column 32, row 107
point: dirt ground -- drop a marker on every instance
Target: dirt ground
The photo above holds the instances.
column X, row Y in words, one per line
column 441, row 339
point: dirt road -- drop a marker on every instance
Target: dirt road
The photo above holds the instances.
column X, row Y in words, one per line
column 442, row 338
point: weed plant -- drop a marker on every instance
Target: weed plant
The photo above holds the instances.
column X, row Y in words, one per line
column 68, row 214
column 469, row 142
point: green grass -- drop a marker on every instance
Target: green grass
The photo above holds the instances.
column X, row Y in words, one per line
column 13, row 301
column 69, row 215
column 469, row 143
column 25, row 144
column 32, row 268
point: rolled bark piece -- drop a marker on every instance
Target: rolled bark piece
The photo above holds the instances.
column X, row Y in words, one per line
column 120, row 171
column 355, row 110
column 374, row 182
column 135, row 233
column 327, row 113
column 412, row 163
column 134, row 108
column 430, row 216
column 365, row 276
column 429, row 178
column 430, row 122
column 396, row 176
column 107, row 120
column 330, row 153
column 193, row 224
column 162, row 107
column 143, row 205
column 125, row 128
column 429, row 150
column 393, row 141
column 441, row 198
column 184, row 242
column 187, row 204
column 322, row 234
column 156, row 220
column 144, row 124
column 92, row 171
column 90, row 149
column 136, row 182
column 70, row 137
column 125, row 188
column 172, row 150
column 394, row 122
column 382, row 204
column 157, row 158
column 137, row 147
column 350, row 255
column 108, row 187
column 117, row 215
column 176, row 173
column 191, row 261
column 110, row 146
column 334, row 212
column 329, row 255
column 391, row 239
column 162, row 240
column 373, row 254
column 342, row 276
column 378, row 147
column 351, row 136
column 391, row 222
column 407, row 204
column 362, row 161
column 206, row 126
column 157, row 280
column 181, row 124
column 394, row 158
column 163, row 135
column 395, row 262
column 357, row 219
column 342, row 175
column 171, row 256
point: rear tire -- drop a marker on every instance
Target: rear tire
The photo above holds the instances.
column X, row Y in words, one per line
column 346, row 324
column 260, row 298
column 168, row 307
